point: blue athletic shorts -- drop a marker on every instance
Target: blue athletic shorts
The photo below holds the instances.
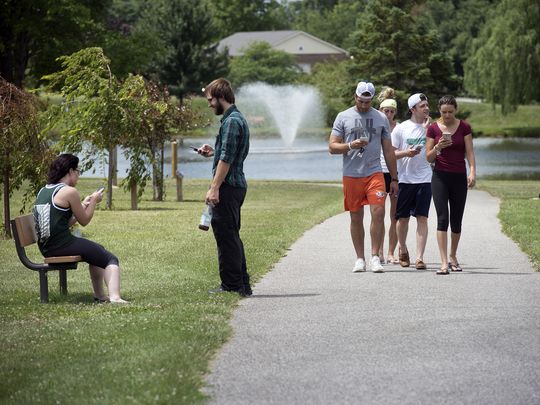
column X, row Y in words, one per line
column 413, row 199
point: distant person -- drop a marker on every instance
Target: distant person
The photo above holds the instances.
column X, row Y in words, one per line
column 388, row 106
column 228, row 189
column 414, row 195
column 449, row 142
column 358, row 134
column 58, row 206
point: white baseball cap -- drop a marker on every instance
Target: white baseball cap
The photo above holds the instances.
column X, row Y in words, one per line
column 365, row 87
column 415, row 99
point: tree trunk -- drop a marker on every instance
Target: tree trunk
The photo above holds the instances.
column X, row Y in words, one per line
column 7, row 229
column 108, row 205
column 114, row 162
column 133, row 189
column 157, row 175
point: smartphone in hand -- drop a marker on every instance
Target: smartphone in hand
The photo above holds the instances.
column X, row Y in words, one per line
column 447, row 136
column 100, row 190
column 418, row 147
column 195, row 149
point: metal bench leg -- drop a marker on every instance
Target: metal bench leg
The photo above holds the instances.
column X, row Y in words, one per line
column 43, row 287
column 63, row 281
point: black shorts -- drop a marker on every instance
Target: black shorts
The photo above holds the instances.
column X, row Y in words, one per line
column 413, row 199
column 91, row 252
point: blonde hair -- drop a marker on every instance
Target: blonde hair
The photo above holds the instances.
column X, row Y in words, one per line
column 387, row 92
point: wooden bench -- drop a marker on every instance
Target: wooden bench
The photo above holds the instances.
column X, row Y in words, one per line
column 24, row 234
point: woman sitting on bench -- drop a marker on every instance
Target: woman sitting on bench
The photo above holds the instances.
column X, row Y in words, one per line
column 58, row 206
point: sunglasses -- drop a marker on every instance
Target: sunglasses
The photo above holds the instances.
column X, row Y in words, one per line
column 388, row 111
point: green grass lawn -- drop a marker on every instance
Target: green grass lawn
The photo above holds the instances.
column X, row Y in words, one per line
column 156, row 349
column 486, row 121
column 519, row 212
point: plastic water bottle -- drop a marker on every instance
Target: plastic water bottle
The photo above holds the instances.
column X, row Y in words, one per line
column 206, row 218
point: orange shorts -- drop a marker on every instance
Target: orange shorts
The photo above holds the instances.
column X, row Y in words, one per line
column 360, row 191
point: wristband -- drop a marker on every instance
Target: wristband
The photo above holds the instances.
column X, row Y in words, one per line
column 349, row 145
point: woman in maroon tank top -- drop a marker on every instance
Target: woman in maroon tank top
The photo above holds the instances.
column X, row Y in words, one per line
column 449, row 142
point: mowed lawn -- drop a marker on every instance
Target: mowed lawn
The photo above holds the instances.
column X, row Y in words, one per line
column 156, row 349
column 519, row 212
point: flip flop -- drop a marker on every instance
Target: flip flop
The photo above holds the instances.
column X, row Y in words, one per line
column 455, row 267
column 442, row 272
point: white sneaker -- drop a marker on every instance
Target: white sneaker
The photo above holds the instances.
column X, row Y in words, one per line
column 359, row 266
column 376, row 266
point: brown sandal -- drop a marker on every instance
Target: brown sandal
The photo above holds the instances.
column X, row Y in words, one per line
column 420, row 265
column 404, row 259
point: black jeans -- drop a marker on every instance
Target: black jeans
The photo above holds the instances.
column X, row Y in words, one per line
column 226, row 228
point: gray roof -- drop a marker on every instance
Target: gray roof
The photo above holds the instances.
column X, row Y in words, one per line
column 240, row 40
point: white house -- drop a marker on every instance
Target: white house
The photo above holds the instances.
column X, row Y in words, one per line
column 307, row 49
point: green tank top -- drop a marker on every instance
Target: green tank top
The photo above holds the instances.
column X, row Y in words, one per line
column 52, row 221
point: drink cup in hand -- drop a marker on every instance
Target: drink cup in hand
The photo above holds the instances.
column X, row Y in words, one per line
column 364, row 136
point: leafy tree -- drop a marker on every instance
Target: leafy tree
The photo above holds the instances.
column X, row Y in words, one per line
column 333, row 82
column 333, row 22
column 322, row 5
column 106, row 112
column 33, row 33
column 505, row 63
column 392, row 49
column 232, row 16
column 459, row 22
column 133, row 46
column 154, row 119
column 23, row 152
column 190, row 58
column 260, row 62
column 92, row 109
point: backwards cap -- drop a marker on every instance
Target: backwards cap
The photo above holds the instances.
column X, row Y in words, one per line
column 365, row 87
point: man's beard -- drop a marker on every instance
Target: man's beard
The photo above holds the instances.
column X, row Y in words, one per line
column 218, row 110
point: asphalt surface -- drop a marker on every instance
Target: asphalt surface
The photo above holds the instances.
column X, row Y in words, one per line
column 315, row 333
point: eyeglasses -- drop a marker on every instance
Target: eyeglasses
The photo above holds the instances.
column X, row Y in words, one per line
column 77, row 170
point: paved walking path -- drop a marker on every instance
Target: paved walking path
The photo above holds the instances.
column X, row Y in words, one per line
column 315, row 333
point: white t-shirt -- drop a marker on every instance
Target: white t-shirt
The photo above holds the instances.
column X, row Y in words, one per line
column 350, row 125
column 411, row 170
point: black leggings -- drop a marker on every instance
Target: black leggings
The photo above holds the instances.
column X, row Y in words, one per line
column 449, row 189
column 91, row 252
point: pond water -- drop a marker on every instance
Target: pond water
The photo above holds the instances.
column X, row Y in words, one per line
column 308, row 159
